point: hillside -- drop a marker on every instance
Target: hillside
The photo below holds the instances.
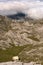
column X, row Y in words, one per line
column 27, row 34
column 20, row 32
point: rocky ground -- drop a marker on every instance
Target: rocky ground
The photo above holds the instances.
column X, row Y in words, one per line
column 20, row 33
column 18, row 63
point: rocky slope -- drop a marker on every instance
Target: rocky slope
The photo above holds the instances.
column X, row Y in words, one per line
column 32, row 53
column 20, row 33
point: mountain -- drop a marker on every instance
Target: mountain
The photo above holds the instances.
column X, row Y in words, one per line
column 26, row 33
column 17, row 16
column 20, row 32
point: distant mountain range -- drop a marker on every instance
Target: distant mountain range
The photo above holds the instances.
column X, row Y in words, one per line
column 17, row 16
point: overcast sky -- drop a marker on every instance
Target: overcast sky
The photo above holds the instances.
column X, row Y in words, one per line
column 33, row 8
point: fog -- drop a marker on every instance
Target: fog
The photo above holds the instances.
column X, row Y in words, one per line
column 32, row 8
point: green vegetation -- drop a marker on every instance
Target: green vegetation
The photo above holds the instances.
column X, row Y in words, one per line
column 6, row 55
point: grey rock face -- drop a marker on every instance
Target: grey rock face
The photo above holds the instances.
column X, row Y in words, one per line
column 20, row 32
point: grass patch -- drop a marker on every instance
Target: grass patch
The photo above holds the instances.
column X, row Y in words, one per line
column 6, row 55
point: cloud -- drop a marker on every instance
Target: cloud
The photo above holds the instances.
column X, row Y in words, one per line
column 32, row 8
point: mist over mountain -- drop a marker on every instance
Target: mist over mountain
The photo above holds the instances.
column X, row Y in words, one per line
column 32, row 8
